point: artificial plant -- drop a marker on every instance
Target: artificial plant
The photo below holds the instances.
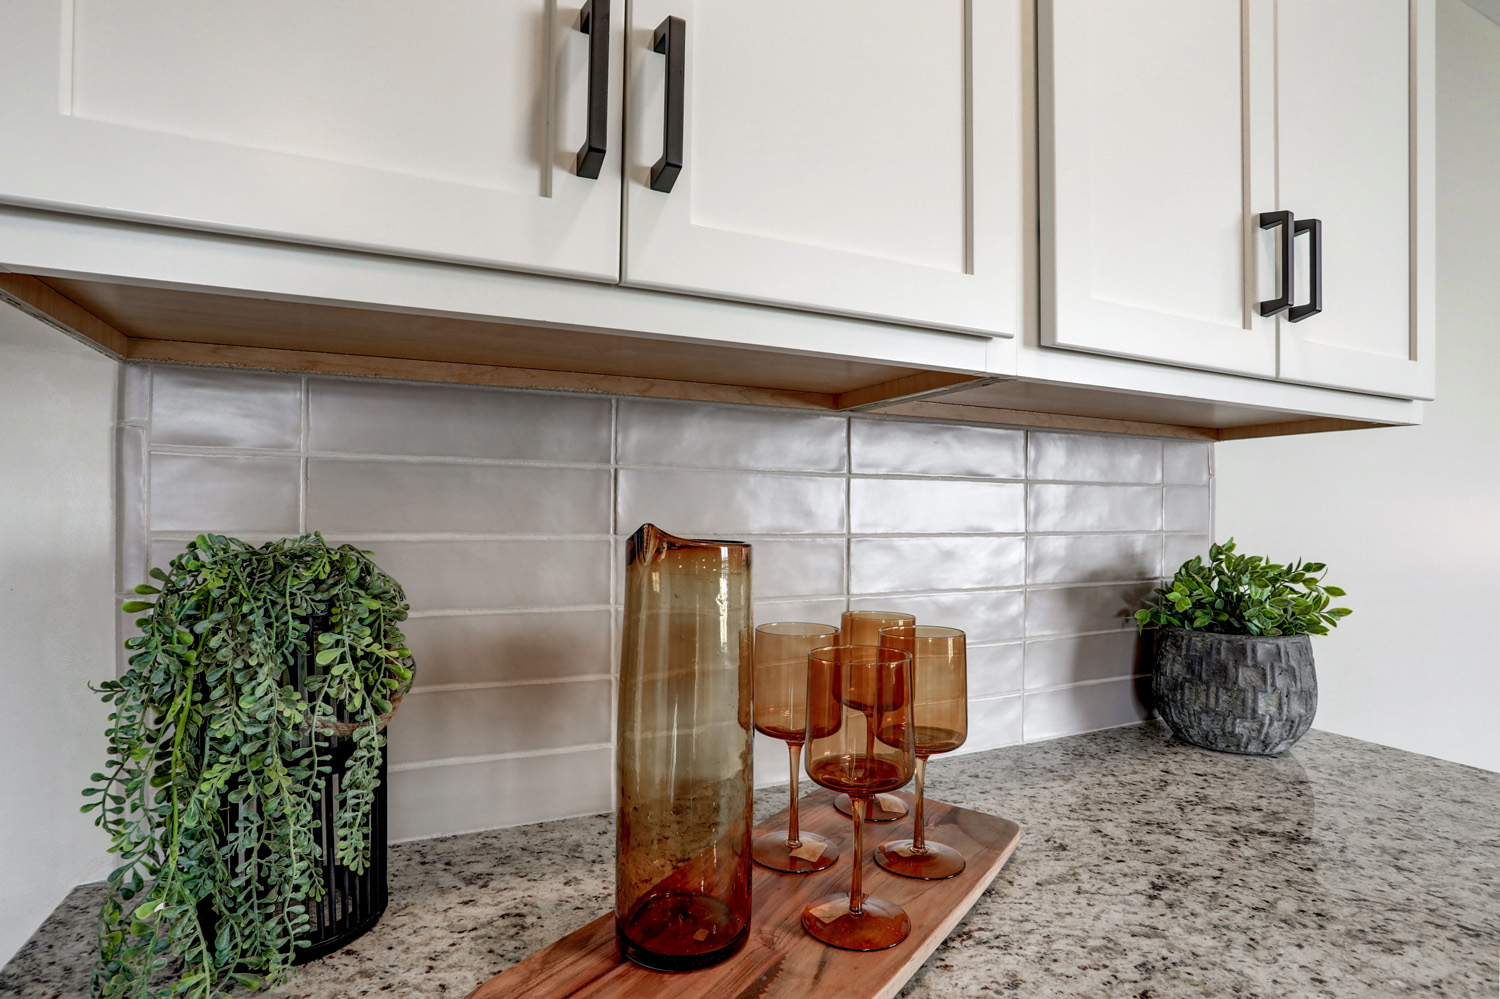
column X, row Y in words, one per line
column 1235, row 594
column 218, row 751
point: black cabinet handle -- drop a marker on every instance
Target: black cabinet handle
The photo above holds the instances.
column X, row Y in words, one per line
column 593, row 21
column 670, row 40
column 1270, row 220
column 1314, row 230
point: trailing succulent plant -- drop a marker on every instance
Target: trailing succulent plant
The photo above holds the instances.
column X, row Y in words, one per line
column 1245, row 595
column 217, row 758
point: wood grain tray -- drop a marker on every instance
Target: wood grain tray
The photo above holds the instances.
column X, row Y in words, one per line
column 779, row 959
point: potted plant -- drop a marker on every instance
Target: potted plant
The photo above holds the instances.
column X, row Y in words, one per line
column 1233, row 663
column 258, row 675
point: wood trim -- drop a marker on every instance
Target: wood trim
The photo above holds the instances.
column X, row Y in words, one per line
column 922, row 385
column 1316, row 425
column 47, row 304
column 1051, row 421
column 315, row 362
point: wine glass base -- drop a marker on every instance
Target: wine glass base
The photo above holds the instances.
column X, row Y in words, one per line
column 934, row 863
column 815, row 853
column 881, row 923
column 881, row 807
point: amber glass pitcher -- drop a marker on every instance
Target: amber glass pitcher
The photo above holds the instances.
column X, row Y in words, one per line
column 682, row 846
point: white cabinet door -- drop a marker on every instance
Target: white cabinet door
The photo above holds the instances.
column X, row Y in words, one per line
column 857, row 158
column 1354, row 86
column 445, row 129
column 1157, row 146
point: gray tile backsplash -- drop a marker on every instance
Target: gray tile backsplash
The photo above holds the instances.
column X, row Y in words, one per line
column 504, row 515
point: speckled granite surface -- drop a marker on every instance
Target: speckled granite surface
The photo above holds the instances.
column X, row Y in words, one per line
column 1147, row 869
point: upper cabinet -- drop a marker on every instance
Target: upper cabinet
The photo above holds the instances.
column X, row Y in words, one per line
column 1241, row 186
column 862, row 159
column 448, row 129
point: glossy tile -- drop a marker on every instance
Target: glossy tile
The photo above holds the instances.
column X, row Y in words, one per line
column 1087, row 708
column 483, row 721
column 367, row 496
column 825, row 611
column 1092, row 458
column 465, row 797
column 135, row 392
column 1186, row 463
column 1068, row 610
column 993, row 722
column 983, row 616
column 452, row 575
column 530, row 645
column 894, row 447
column 653, row 432
column 995, row 669
column 773, row 765
column 883, row 565
column 1186, row 509
column 1062, row 508
column 212, row 407
column 460, row 421
column 225, row 494
column 1179, row 548
column 916, row 506
column 797, row 568
column 1055, row 662
column 1084, row 558
column 721, row 504
column 130, row 507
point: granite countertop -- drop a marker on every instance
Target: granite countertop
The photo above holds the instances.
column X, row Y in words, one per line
column 1147, row 869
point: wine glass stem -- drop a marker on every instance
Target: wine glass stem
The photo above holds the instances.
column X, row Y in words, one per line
column 919, row 836
column 856, row 890
column 793, row 831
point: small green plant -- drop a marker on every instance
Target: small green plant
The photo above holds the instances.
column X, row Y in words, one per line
column 1245, row 595
column 217, row 758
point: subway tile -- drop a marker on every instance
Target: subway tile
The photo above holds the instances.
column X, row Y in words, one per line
column 915, row 506
column 224, row 494
column 1087, row 708
column 1063, row 508
column 212, row 407
column 484, row 721
column 825, row 611
column 1055, row 662
column 487, row 794
column 721, row 504
column 984, row 616
column 882, row 565
column 654, row 432
column 1185, row 508
column 773, row 765
column 797, row 568
column 130, row 507
column 382, row 417
column 1093, row 458
column 451, row 575
column 1180, row 548
column 135, row 392
column 1084, row 558
column 1070, row 610
column 891, row 447
column 995, row 669
column 488, row 648
column 359, row 496
column 1186, row 463
column 993, row 722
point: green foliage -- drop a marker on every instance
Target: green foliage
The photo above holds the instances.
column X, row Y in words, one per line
column 214, row 755
column 1245, row 595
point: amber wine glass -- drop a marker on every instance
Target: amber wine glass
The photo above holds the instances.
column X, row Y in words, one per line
column 781, row 712
column 940, row 723
column 858, row 690
column 862, row 627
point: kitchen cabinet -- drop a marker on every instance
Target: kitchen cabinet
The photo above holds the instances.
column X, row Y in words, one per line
column 1171, row 129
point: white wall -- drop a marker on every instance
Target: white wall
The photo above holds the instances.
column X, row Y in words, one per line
column 1409, row 519
column 57, row 618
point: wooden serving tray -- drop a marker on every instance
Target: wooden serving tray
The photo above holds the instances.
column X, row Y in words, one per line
column 779, row 959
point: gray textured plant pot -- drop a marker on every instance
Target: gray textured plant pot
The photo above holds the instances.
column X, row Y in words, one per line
column 1235, row 693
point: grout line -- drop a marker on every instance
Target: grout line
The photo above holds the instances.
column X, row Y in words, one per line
column 524, row 754
column 446, row 688
column 495, row 611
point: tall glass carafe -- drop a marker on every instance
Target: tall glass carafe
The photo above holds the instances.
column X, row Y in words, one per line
column 682, row 846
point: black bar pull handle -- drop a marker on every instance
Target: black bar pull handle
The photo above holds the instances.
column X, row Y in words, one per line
column 593, row 20
column 1314, row 230
column 670, row 40
column 1270, row 220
